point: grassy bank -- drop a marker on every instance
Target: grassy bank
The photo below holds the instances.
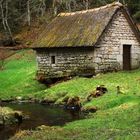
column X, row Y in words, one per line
column 18, row 77
column 128, row 81
column 120, row 123
column 117, row 116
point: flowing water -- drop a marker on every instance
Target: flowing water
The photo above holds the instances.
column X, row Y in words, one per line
column 38, row 115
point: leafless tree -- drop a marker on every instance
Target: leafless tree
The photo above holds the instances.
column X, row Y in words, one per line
column 4, row 15
column 42, row 7
column 55, row 8
column 28, row 13
column 69, row 4
column 86, row 4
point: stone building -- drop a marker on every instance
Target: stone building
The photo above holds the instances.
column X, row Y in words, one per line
column 88, row 42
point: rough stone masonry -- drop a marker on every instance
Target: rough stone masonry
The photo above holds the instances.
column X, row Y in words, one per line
column 105, row 55
column 109, row 51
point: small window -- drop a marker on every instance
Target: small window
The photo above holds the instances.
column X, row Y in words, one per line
column 52, row 59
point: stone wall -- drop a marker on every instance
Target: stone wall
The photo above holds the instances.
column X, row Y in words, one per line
column 109, row 52
column 68, row 61
column 106, row 56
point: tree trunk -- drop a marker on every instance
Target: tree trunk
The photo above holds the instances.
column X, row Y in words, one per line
column 124, row 2
column 28, row 13
column 69, row 6
column 87, row 4
column 43, row 7
column 55, row 7
column 6, row 21
column 4, row 16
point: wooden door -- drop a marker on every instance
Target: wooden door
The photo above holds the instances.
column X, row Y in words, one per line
column 126, row 57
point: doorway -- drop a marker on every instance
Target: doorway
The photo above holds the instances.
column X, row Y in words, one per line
column 127, row 57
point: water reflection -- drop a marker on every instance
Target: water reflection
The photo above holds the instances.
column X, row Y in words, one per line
column 38, row 115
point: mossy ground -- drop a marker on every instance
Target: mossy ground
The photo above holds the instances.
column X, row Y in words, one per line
column 118, row 116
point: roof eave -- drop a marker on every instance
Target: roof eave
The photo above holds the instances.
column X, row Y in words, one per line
column 132, row 23
column 52, row 47
column 129, row 19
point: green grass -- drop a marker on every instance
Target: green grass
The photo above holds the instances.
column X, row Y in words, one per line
column 117, row 118
column 128, row 81
column 119, row 123
column 18, row 76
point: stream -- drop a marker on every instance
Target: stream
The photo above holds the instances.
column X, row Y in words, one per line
column 38, row 115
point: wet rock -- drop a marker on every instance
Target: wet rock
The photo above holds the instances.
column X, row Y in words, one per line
column 43, row 127
column 19, row 117
column 65, row 99
column 100, row 90
column 91, row 109
column 19, row 98
column 7, row 116
column 33, row 100
column 73, row 103
column 47, row 101
column 7, row 101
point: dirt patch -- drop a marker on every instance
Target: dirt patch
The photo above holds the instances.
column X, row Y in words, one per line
column 5, row 53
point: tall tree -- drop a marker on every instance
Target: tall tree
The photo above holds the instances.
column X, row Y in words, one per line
column 42, row 7
column 4, row 15
column 28, row 13
column 86, row 3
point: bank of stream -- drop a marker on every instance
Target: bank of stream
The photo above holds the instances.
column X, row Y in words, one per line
column 37, row 115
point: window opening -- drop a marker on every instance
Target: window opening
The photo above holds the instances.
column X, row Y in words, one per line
column 52, row 59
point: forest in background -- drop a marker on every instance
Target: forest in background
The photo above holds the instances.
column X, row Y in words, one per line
column 17, row 14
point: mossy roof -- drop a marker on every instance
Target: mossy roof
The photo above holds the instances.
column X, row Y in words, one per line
column 75, row 29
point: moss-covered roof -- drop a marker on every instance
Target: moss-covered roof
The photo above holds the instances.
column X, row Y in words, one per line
column 81, row 28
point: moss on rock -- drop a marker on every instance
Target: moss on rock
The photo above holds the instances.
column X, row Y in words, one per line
column 7, row 116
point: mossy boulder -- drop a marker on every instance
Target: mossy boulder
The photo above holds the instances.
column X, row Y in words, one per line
column 7, row 116
column 88, row 109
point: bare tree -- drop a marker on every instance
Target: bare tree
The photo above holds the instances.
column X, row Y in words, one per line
column 55, row 6
column 28, row 13
column 4, row 15
column 124, row 2
column 86, row 4
column 68, row 5
column 42, row 7
column 6, row 20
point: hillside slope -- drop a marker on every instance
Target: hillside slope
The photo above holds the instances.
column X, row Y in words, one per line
column 18, row 76
column 117, row 116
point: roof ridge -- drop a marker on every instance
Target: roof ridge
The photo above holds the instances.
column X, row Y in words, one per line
column 92, row 10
